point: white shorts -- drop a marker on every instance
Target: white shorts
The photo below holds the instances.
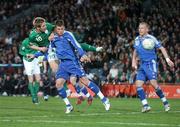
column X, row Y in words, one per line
column 32, row 67
column 52, row 56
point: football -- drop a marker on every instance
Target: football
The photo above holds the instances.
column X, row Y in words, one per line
column 148, row 44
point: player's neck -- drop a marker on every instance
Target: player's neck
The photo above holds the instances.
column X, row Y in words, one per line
column 143, row 35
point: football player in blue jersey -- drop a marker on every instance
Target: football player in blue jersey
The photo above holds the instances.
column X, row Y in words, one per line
column 145, row 46
column 70, row 53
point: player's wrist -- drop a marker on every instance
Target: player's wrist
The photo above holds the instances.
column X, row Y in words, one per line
column 40, row 49
column 167, row 59
column 98, row 49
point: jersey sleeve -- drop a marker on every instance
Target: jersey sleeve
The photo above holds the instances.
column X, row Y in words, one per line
column 24, row 45
column 136, row 42
column 50, row 26
column 88, row 47
column 74, row 42
column 37, row 54
column 157, row 43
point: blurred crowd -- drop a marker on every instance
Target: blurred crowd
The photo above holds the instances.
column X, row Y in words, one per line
column 13, row 7
column 109, row 23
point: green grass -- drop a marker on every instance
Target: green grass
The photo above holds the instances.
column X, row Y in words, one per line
column 20, row 112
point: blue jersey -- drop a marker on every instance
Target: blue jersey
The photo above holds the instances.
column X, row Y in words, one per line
column 67, row 51
column 144, row 54
column 67, row 46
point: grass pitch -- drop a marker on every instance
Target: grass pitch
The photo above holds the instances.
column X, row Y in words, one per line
column 20, row 112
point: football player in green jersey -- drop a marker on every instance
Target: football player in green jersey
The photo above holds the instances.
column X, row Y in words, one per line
column 32, row 69
column 42, row 34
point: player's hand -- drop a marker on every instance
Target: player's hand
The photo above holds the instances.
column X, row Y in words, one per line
column 51, row 37
column 99, row 49
column 85, row 58
column 169, row 62
column 30, row 56
column 43, row 49
column 134, row 65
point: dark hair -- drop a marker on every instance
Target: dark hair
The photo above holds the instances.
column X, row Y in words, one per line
column 59, row 23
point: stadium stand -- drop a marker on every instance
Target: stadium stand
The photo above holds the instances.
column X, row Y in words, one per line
column 108, row 23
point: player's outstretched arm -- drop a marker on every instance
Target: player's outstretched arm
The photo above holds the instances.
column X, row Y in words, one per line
column 88, row 47
column 164, row 52
column 134, row 61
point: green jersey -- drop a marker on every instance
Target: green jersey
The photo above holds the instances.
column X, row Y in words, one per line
column 41, row 39
column 25, row 49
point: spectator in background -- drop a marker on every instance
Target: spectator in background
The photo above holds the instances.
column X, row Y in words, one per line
column 105, row 71
column 113, row 26
column 113, row 73
column 23, row 85
column 53, row 90
column 15, row 85
column 1, row 84
column 177, row 78
column 46, row 86
column 8, row 85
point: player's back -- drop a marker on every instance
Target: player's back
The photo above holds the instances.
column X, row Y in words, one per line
column 25, row 49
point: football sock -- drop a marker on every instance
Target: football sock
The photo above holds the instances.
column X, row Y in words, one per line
column 161, row 96
column 142, row 96
column 63, row 95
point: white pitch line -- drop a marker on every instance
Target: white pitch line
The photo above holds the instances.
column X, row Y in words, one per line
column 88, row 114
column 81, row 122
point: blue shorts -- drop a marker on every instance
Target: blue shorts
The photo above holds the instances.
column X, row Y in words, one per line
column 147, row 71
column 68, row 68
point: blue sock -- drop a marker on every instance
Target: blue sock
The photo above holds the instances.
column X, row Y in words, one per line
column 84, row 90
column 62, row 93
column 142, row 96
column 78, row 88
column 104, row 99
column 93, row 87
column 161, row 96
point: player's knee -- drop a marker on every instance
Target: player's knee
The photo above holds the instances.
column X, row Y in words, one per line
column 59, row 84
column 80, row 84
column 84, row 80
column 73, row 80
column 139, row 83
column 154, row 83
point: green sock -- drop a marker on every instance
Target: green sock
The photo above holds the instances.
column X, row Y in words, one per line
column 36, row 88
column 31, row 89
column 65, row 86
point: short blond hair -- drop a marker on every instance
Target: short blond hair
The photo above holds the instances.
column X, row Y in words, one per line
column 144, row 23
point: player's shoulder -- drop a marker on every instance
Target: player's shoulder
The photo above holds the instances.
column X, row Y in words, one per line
column 68, row 33
column 32, row 34
column 25, row 41
column 151, row 36
column 56, row 37
column 136, row 41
